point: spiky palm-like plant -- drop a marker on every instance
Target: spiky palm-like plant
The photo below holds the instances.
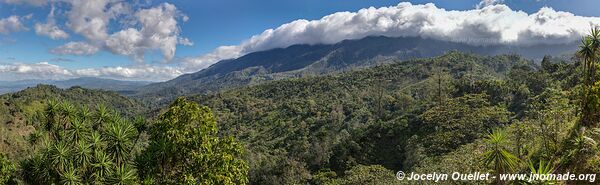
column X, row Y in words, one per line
column 589, row 51
column 119, row 135
column 101, row 116
column 85, row 113
column 101, row 166
column 60, row 155
column 583, row 144
column 34, row 170
column 70, row 176
column 82, row 155
column 96, row 141
column 122, row 175
column 67, row 113
column 51, row 115
column 78, row 131
column 501, row 160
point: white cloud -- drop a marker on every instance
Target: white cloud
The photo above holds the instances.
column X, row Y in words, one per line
column 126, row 42
column 140, row 72
column 490, row 25
column 44, row 70
column 484, row 3
column 193, row 64
column 185, row 41
column 12, row 24
column 159, row 29
column 152, row 29
column 89, row 18
column 50, row 28
column 75, row 48
column 30, row 2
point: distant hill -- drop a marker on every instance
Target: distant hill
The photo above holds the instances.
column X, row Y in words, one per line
column 123, row 87
column 311, row 60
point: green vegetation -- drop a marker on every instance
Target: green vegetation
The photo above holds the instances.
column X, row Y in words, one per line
column 75, row 145
column 20, row 111
column 497, row 157
column 7, row 170
column 396, row 115
column 456, row 112
column 185, row 149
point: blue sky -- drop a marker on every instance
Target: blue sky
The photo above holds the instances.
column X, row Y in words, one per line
column 207, row 24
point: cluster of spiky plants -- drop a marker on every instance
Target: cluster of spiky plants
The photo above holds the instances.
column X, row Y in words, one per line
column 80, row 146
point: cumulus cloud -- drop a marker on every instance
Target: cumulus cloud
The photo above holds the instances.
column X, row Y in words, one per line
column 152, row 29
column 491, row 25
column 12, row 24
column 50, row 28
column 158, row 31
column 89, row 18
column 75, row 48
column 126, row 42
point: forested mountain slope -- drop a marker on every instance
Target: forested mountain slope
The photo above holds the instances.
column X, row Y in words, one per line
column 313, row 60
column 316, row 129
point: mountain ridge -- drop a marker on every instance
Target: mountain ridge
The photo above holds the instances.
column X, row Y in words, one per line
column 121, row 86
column 314, row 60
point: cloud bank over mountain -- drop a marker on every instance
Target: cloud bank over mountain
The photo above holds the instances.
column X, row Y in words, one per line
column 157, row 29
column 495, row 24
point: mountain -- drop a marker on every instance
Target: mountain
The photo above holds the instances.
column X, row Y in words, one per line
column 312, row 60
column 124, row 87
column 421, row 115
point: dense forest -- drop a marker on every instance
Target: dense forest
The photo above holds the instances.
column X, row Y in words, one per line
column 410, row 115
column 456, row 112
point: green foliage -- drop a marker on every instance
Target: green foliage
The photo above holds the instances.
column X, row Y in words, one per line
column 185, row 149
column 543, row 168
column 497, row 156
column 76, row 152
column 294, row 128
column 355, row 127
column 7, row 170
column 460, row 121
column 361, row 174
column 20, row 113
column 589, row 51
